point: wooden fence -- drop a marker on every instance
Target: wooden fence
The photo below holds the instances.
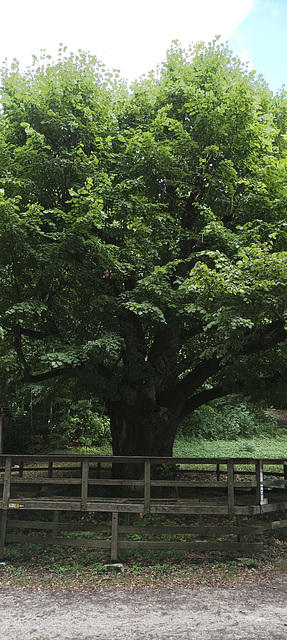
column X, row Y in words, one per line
column 225, row 502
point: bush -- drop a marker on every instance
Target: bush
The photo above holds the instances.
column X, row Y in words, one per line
column 228, row 420
column 80, row 426
column 86, row 429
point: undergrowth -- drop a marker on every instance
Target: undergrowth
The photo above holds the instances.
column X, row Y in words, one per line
column 34, row 566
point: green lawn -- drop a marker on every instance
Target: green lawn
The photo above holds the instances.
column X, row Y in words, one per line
column 256, row 448
column 275, row 447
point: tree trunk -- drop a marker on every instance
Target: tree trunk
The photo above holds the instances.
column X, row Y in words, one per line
column 141, row 429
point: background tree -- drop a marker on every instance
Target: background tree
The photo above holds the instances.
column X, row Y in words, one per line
column 143, row 236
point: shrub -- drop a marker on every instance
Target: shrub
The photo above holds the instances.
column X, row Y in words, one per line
column 228, row 420
column 86, row 429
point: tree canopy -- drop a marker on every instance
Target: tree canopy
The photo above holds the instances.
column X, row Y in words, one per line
column 143, row 236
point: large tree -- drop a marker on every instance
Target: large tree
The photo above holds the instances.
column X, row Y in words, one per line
column 143, row 236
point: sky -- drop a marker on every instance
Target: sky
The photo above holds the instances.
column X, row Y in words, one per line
column 134, row 35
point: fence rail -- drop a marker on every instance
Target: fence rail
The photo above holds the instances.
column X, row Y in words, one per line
column 234, row 490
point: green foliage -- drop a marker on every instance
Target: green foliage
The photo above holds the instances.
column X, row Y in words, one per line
column 256, row 448
column 231, row 419
column 83, row 428
column 143, row 241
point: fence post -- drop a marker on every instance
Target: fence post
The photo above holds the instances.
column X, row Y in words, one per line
column 239, row 523
column 3, row 525
column 7, row 483
column 230, row 486
column 114, row 540
column 5, row 501
column 98, row 473
column 55, row 520
column 147, row 467
column 201, row 523
column 259, row 482
column 84, row 485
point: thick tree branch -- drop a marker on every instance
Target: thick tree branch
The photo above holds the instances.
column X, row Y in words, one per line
column 203, row 397
column 193, row 380
column 49, row 375
column 137, row 328
column 18, row 345
column 80, row 259
column 32, row 333
column 164, row 350
column 273, row 333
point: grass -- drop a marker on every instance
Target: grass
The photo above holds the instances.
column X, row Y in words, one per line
column 102, row 450
column 259, row 447
column 256, row 448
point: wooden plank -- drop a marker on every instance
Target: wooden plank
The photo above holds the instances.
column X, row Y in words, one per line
column 276, row 506
column 140, row 459
column 202, row 526
column 46, row 481
column 75, row 505
column 55, row 523
column 138, row 544
column 1, row 433
column 116, row 482
column 189, row 509
column 7, row 483
column 84, row 484
column 188, row 530
column 136, row 459
column 230, row 486
column 60, row 542
column 3, row 526
column 147, row 529
column 251, row 510
column 98, row 469
column 115, row 506
column 49, row 505
column 114, row 540
column 139, row 483
column 127, row 519
column 60, row 526
column 190, row 483
column 259, row 481
column 275, row 483
column 206, row 545
column 239, row 526
column 147, row 485
column 276, row 524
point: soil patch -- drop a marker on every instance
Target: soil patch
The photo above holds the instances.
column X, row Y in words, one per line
column 253, row 611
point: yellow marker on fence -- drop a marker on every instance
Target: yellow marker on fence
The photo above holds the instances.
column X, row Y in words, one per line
column 15, row 505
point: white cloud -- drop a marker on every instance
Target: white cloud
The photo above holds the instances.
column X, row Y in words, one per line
column 125, row 34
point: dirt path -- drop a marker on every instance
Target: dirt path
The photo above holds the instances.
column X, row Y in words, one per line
column 253, row 612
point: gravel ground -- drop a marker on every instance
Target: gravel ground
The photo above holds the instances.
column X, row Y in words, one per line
column 239, row 612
